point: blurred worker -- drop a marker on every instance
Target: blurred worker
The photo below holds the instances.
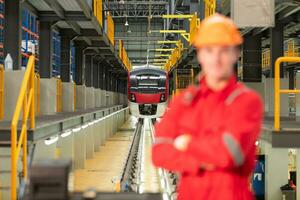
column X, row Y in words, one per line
column 208, row 134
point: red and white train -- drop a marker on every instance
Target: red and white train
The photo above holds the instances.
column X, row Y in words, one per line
column 147, row 92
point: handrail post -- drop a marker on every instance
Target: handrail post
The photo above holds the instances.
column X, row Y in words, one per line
column 13, row 163
column 32, row 105
column 277, row 96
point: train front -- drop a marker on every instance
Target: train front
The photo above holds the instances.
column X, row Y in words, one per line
column 147, row 92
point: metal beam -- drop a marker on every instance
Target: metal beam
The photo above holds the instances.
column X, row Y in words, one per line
column 28, row 6
column 85, row 8
column 75, row 27
column 171, row 31
column 68, row 16
column 177, row 16
column 167, row 42
column 56, row 7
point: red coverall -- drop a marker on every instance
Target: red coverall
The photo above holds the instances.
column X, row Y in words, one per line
column 224, row 126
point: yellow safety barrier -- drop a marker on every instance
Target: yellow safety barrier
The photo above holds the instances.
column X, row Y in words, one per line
column 26, row 105
column 183, row 80
column 292, row 49
column 98, row 11
column 175, row 56
column 123, row 56
column 266, row 59
column 194, row 25
column 58, row 95
column 38, row 93
column 110, row 29
column 278, row 91
column 210, row 7
column 75, row 96
column 1, row 92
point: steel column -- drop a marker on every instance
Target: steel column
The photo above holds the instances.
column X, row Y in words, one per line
column 45, row 49
column 79, row 75
column 101, row 75
column 276, row 43
column 65, row 55
column 88, row 70
column 252, row 59
column 95, row 72
column 13, row 32
column 292, row 78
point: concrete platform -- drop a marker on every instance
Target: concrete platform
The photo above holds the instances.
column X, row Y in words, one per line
column 107, row 163
column 287, row 137
column 49, row 125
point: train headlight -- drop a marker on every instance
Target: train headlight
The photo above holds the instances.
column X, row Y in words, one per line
column 162, row 97
column 132, row 97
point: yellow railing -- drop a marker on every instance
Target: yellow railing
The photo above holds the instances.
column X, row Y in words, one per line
column 1, row 92
column 175, row 56
column 183, row 79
column 278, row 91
column 26, row 105
column 58, row 95
column 210, row 7
column 194, row 25
column 123, row 56
column 110, row 29
column 291, row 51
column 266, row 59
column 75, row 96
column 38, row 93
column 98, row 11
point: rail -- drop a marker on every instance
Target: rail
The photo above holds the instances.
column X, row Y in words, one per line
column 26, row 105
column 38, row 93
column 278, row 91
column 58, row 95
column 1, row 92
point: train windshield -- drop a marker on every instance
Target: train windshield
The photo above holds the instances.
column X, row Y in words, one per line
column 148, row 83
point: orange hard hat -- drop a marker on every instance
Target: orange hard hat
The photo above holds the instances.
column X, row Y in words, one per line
column 217, row 30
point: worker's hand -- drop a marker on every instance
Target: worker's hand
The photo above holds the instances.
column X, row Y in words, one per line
column 181, row 142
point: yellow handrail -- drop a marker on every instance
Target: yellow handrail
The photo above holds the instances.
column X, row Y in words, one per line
column 26, row 104
column 194, row 25
column 278, row 91
column 210, row 7
column 58, row 95
column 75, row 96
column 98, row 11
column 38, row 93
column 1, row 92
column 110, row 29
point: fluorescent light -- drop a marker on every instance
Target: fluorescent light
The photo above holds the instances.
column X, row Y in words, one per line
column 51, row 140
column 85, row 126
column 91, row 123
column 66, row 133
column 76, row 129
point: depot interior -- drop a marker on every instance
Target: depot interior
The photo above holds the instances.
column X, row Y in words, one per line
column 67, row 129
